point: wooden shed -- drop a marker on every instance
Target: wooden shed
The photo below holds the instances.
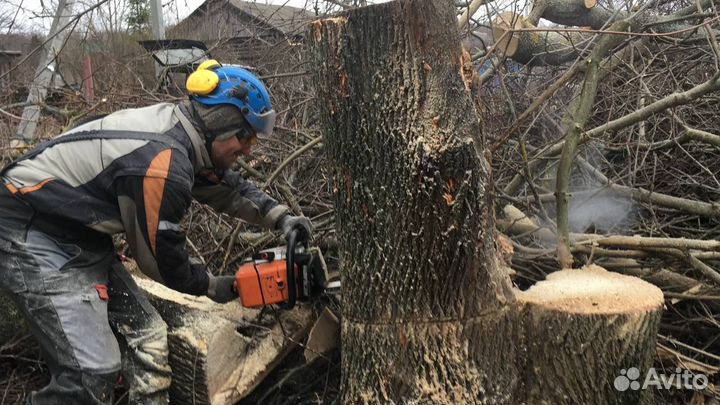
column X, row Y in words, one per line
column 249, row 33
column 7, row 60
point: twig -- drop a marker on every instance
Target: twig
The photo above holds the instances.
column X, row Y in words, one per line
column 289, row 159
column 542, row 98
column 289, row 74
column 195, row 249
column 692, row 296
column 691, row 348
column 230, row 245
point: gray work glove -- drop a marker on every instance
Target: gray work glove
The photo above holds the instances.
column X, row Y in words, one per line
column 287, row 223
column 221, row 289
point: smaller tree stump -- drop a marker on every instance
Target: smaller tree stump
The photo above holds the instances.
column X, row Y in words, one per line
column 582, row 329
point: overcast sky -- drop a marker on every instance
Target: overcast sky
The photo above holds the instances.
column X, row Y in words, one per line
column 36, row 15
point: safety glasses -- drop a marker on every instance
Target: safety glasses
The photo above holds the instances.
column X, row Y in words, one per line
column 247, row 134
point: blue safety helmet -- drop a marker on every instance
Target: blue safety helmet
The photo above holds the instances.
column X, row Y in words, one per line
column 213, row 84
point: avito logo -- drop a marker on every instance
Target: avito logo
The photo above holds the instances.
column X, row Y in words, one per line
column 681, row 379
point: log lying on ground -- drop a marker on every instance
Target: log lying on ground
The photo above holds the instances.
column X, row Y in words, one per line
column 589, row 324
column 219, row 353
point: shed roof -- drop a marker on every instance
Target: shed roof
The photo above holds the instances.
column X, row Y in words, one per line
column 286, row 19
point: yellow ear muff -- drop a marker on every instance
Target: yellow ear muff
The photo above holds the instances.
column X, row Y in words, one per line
column 203, row 81
column 209, row 64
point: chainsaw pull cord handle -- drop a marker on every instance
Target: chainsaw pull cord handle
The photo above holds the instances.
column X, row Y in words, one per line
column 292, row 289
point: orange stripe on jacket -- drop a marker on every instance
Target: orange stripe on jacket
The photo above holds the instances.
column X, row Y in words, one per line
column 153, row 189
column 29, row 189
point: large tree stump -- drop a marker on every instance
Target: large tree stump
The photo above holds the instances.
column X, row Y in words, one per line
column 219, row 353
column 429, row 316
column 416, row 236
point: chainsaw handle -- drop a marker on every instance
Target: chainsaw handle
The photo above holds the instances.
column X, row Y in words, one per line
column 292, row 288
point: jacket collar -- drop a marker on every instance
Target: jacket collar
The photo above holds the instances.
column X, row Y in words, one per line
column 202, row 158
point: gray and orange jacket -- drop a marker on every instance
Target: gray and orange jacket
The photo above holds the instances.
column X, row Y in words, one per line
column 136, row 171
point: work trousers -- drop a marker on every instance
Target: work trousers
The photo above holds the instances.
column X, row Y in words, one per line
column 70, row 286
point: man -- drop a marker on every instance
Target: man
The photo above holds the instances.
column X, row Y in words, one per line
column 133, row 171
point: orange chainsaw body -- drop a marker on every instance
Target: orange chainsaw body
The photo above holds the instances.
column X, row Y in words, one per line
column 263, row 283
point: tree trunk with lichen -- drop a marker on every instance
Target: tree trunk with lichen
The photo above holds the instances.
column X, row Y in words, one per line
column 429, row 315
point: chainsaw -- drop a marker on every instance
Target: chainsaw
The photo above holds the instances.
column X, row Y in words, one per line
column 284, row 275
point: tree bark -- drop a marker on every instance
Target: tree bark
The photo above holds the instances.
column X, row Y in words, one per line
column 429, row 316
column 219, row 353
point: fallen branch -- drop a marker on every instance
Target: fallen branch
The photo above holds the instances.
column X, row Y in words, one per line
column 587, row 13
column 640, row 242
column 692, row 296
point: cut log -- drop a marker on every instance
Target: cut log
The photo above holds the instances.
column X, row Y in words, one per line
column 535, row 48
column 219, row 353
column 507, row 41
column 589, row 324
column 516, row 222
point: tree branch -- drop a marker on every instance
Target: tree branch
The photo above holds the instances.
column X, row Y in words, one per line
column 577, row 118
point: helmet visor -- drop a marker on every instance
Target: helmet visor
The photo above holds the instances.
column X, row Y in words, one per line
column 264, row 123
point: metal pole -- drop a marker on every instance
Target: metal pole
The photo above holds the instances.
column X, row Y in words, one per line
column 45, row 71
column 158, row 27
column 156, row 19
